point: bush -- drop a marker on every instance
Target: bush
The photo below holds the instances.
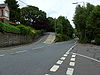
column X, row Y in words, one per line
column 25, row 30
column 62, row 37
column 19, row 29
column 8, row 28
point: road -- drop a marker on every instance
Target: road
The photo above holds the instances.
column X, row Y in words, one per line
column 46, row 58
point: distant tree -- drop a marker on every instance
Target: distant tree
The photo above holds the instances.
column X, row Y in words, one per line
column 33, row 17
column 64, row 29
column 14, row 10
column 51, row 24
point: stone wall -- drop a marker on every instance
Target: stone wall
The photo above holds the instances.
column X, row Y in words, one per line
column 9, row 39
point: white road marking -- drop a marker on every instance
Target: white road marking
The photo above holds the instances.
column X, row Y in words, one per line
column 72, row 63
column 72, row 59
column 63, row 58
column 65, row 55
column 47, row 74
column 71, row 48
column 54, row 68
column 74, row 53
column 2, row 55
column 73, row 56
column 21, row 51
column 59, row 62
column 70, row 71
column 87, row 57
column 38, row 47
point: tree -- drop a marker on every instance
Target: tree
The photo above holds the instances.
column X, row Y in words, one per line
column 33, row 17
column 80, row 22
column 87, row 22
column 51, row 24
column 64, row 29
column 14, row 10
column 94, row 23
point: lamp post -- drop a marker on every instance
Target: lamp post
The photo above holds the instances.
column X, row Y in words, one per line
column 80, row 2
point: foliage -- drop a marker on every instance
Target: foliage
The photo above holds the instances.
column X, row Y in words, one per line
column 8, row 28
column 33, row 17
column 87, row 21
column 14, row 10
column 19, row 29
column 25, row 30
column 51, row 24
column 64, row 29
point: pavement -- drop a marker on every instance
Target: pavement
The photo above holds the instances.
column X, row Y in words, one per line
column 45, row 57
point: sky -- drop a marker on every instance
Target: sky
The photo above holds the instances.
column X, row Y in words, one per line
column 56, row 8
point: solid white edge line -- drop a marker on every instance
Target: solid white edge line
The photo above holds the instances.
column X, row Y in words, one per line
column 54, row 68
column 70, row 71
column 71, row 48
column 87, row 57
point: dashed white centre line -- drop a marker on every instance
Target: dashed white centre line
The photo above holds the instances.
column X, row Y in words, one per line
column 65, row 55
column 72, row 59
column 2, row 55
column 59, row 62
column 46, row 74
column 70, row 71
column 54, row 68
column 63, row 58
column 72, row 63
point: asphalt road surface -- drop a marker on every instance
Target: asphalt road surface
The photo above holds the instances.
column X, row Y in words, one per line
column 41, row 58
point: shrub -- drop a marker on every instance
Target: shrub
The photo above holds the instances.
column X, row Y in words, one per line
column 62, row 37
column 8, row 28
column 24, row 30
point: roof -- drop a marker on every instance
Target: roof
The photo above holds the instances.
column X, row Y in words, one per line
column 3, row 5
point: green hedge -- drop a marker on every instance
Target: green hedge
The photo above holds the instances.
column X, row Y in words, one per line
column 19, row 29
column 8, row 28
column 62, row 37
column 25, row 30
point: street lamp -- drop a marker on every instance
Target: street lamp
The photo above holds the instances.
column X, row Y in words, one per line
column 80, row 2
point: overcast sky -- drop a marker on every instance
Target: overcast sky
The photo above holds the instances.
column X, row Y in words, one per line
column 55, row 8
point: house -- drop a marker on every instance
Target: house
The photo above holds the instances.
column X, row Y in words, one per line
column 4, row 13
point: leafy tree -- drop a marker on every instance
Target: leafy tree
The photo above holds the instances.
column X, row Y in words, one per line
column 64, row 29
column 87, row 22
column 14, row 10
column 94, row 23
column 51, row 24
column 80, row 22
column 33, row 17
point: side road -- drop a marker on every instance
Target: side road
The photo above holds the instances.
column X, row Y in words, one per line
column 47, row 38
column 87, row 60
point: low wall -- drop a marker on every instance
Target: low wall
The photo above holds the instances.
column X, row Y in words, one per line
column 9, row 39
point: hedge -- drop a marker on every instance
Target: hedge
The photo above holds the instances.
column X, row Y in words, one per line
column 19, row 29
column 8, row 28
